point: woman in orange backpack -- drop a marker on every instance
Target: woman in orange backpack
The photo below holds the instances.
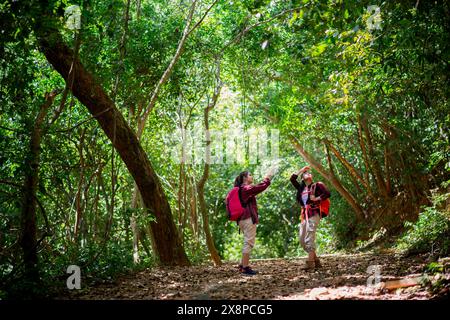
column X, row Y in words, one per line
column 309, row 195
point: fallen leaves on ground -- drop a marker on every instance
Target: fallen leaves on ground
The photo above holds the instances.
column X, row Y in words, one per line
column 342, row 277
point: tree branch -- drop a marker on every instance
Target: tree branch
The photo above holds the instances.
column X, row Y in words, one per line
column 167, row 73
column 247, row 29
column 11, row 183
column 204, row 16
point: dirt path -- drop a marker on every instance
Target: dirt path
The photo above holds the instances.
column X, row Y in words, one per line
column 342, row 277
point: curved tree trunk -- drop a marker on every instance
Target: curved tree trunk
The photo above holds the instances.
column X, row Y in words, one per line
column 349, row 167
column 92, row 95
column 209, row 239
column 374, row 162
column 355, row 182
column 362, row 146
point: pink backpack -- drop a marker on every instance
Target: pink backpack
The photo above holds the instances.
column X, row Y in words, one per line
column 235, row 209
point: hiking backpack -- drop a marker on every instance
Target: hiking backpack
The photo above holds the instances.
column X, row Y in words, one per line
column 324, row 205
column 234, row 202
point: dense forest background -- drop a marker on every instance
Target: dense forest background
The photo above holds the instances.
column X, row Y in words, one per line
column 90, row 115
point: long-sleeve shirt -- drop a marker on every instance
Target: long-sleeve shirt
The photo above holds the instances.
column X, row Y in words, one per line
column 248, row 196
column 320, row 191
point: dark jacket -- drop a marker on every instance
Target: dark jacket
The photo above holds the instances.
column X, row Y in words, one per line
column 321, row 191
column 248, row 193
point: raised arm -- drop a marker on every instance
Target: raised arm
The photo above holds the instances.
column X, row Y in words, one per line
column 295, row 176
column 253, row 190
column 294, row 181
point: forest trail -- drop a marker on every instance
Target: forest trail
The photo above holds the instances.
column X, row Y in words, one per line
column 342, row 277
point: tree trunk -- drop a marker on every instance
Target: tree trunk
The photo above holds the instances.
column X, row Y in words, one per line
column 374, row 162
column 169, row 69
column 355, row 182
column 179, row 193
column 185, row 205
column 206, row 229
column 139, row 233
column 78, row 196
column 193, row 207
column 387, row 167
column 201, row 184
column 143, row 240
column 92, row 95
column 28, row 238
column 368, row 170
column 138, row 9
column 135, row 230
column 142, row 118
column 349, row 167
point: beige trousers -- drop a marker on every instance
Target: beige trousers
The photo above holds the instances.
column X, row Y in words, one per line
column 307, row 233
column 249, row 231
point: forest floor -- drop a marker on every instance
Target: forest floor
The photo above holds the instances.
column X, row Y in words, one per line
column 342, row 277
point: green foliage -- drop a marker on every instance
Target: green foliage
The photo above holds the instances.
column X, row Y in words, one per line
column 436, row 278
column 434, row 267
column 311, row 69
column 431, row 232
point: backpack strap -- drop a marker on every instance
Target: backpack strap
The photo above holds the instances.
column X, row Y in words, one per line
column 243, row 204
column 313, row 192
column 305, row 210
column 320, row 202
column 313, row 189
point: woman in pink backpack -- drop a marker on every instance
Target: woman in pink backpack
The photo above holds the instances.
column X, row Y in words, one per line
column 249, row 219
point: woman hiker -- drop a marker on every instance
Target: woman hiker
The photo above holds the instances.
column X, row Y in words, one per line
column 249, row 219
column 309, row 195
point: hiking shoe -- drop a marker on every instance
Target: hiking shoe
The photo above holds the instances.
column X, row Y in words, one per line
column 317, row 263
column 309, row 265
column 248, row 271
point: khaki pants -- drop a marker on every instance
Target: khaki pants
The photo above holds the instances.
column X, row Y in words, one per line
column 307, row 233
column 249, row 231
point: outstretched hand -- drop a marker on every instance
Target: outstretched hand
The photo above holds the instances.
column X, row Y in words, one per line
column 268, row 176
column 271, row 172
